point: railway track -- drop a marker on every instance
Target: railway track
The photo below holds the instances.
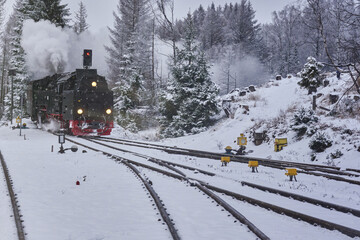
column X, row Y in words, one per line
column 181, row 176
column 329, row 172
column 208, row 189
column 244, row 183
column 14, row 202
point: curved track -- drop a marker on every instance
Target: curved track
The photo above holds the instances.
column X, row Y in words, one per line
column 271, row 190
column 181, row 176
column 296, row 215
column 17, row 217
column 329, row 172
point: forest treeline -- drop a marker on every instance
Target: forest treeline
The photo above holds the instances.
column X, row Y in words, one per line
column 224, row 36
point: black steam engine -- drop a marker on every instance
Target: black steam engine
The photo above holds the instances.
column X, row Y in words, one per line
column 80, row 101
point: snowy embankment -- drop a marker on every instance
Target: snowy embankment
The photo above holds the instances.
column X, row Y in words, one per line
column 271, row 108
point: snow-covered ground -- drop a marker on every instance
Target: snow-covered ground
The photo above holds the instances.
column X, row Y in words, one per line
column 271, row 108
column 109, row 204
column 112, row 203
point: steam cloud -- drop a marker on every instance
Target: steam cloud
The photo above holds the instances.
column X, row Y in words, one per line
column 248, row 71
column 50, row 49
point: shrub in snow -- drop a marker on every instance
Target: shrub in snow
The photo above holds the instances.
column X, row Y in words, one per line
column 336, row 154
column 313, row 157
column 310, row 73
column 320, row 142
column 348, row 132
column 303, row 122
column 348, row 106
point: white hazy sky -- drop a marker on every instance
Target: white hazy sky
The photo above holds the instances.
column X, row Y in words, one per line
column 100, row 12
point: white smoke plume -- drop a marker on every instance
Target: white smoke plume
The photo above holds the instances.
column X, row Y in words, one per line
column 246, row 71
column 50, row 49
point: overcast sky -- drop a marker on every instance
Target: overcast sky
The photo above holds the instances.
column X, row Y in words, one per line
column 100, row 11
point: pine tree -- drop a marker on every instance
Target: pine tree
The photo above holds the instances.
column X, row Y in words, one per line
column 212, row 30
column 80, row 24
column 51, row 10
column 129, row 59
column 18, row 82
column 243, row 26
column 199, row 18
column 190, row 100
column 3, row 56
column 310, row 73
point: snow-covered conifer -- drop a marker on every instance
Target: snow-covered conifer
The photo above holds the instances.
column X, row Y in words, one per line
column 310, row 73
column 212, row 30
column 129, row 58
column 199, row 17
column 2, row 56
column 190, row 100
column 17, row 84
column 320, row 142
column 80, row 24
column 51, row 10
column 303, row 122
column 243, row 26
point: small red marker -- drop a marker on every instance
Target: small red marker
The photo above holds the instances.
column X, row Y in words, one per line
column 77, row 183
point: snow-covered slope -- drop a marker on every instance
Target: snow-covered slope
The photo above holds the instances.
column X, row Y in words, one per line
column 271, row 108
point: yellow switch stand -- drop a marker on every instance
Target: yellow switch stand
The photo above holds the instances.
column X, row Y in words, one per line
column 253, row 165
column 225, row 161
column 291, row 172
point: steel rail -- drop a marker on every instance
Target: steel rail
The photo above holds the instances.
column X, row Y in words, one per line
column 271, row 190
column 234, row 212
column 158, row 202
column 17, row 217
column 296, row 215
column 201, row 186
column 302, row 198
column 265, row 162
column 211, row 154
column 270, row 164
column 155, row 159
column 353, row 170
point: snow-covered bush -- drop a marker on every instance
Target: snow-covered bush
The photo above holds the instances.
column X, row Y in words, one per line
column 310, row 73
column 303, row 122
column 320, row 142
column 336, row 154
column 348, row 106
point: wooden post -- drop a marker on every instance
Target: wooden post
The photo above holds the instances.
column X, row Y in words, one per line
column 314, row 103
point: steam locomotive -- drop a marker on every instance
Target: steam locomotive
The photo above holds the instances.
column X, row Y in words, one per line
column 80, row 101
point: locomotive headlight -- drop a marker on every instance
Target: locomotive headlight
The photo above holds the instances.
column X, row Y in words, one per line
column 94, row 84
column 80, row 111
column 108, row 111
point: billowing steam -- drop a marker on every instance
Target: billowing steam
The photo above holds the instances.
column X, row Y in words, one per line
column 241, row 73
column 50, row 49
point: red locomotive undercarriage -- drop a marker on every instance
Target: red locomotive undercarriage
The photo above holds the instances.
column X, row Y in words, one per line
column 81, row 127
